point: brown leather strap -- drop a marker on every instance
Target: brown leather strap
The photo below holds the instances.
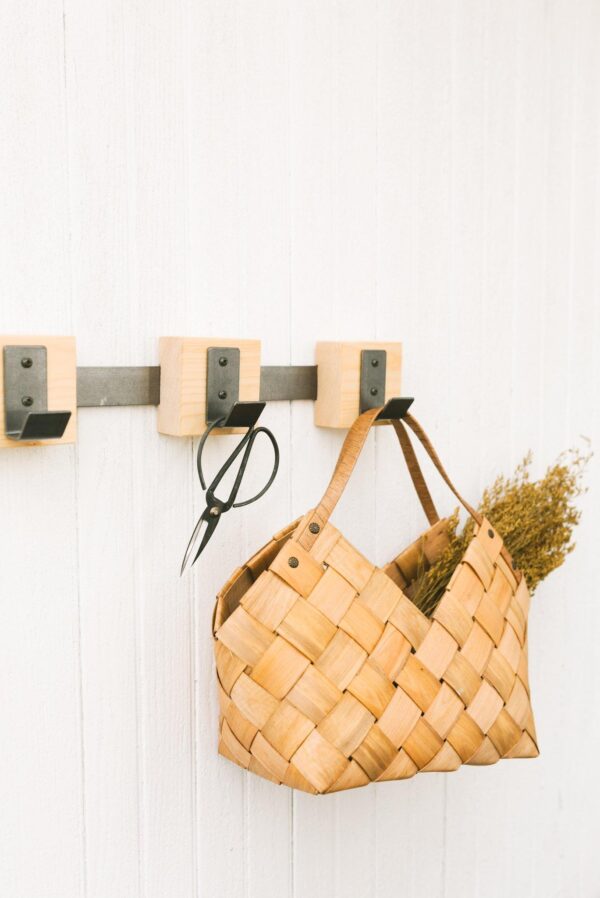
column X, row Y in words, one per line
column 350, row 451
column 477, row 517
column 426, row 443
column 416, row 474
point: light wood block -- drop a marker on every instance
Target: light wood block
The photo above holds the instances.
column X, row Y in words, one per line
column 338, row 365
column 62, row 384
column 182, row 408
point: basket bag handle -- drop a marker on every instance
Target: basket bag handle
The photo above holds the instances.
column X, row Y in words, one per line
column 351, row 449
column 416, row 474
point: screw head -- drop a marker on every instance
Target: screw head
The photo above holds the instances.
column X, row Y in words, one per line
column 215, row 511
column 375, row 363
column 293, row 561
column 223, row 361
column 314, row 527
column 491, row 534
column 27, row 401
column 26, row 362
column 373, row 391
column 222, row 394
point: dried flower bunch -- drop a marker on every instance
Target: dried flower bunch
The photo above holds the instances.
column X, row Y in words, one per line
column 535, row 517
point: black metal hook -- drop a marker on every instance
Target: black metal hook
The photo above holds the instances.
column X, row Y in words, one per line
column 395, row 408
column 26, row 412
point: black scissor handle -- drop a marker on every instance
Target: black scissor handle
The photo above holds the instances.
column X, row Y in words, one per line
column 203, row 440
column 245, row 444
column 255, row 433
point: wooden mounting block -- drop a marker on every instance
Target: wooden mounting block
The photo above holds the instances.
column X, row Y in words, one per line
column 338, row 393
column 183, row 361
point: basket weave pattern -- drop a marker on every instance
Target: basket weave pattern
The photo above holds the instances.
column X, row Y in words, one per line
column 331, row 678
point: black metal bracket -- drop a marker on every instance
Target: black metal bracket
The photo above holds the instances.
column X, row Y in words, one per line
column 26, row 396
column 395, row 409
column 372, row 378
column 223, row 390
column 222, row 381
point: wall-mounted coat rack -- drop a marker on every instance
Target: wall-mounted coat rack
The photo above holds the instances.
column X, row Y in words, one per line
column 198, row 381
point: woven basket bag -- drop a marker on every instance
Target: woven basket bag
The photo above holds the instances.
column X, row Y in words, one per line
column 330, row 677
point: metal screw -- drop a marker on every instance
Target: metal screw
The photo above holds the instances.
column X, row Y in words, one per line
column 222, row 394
column 293, row 561
column 375, row 363
column 374, row 391
column 215, row 511
column 314, row 527
column 491, row 534
column 27, row 401
column 26, row 362
column 223, row 361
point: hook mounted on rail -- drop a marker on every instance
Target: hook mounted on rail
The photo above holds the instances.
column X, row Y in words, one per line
column 195, row 381
column 26, row 412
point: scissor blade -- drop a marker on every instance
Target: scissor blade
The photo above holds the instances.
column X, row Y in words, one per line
column 202, row 533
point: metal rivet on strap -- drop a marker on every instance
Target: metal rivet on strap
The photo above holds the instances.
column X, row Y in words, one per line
column 491, row 534
column 314, row 527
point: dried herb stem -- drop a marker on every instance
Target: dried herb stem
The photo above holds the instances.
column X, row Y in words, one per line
column 536, row 519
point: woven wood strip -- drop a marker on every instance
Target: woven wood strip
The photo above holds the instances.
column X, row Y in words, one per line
column 331, row 678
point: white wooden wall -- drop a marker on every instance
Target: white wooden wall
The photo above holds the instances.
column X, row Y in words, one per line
column 290, row 170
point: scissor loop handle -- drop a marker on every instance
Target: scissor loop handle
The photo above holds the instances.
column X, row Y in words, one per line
column 254, row 434
column 203, row 439
column 245, row 445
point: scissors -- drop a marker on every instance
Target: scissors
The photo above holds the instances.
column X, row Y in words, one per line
column 215, row 507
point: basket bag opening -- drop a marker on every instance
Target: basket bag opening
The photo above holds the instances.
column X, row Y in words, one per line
column 403, row 570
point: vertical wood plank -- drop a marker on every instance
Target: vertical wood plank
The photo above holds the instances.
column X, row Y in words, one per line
column 493, row 336
column 413, row 280
column 263, row 59
column 583, row 420
column 341, row 99
column 571, row 271
column 355, row 311
column 312, row 279
column 551, row 611
column 42, row 832
column 100, row 207
column 216, row 305
column 159, row 94
column 138, row 735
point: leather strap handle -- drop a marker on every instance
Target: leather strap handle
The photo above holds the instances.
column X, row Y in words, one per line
column 477, row 517
column 414, row 469
column 350, row 451
column 428, row 447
